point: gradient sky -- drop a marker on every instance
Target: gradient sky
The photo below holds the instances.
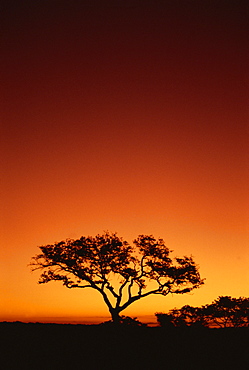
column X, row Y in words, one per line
column 132, row 119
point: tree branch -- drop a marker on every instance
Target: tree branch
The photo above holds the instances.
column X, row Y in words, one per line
column 129, row 288
column 120, row 292
column 136, row 278
column 136, row 297
column 78, row 286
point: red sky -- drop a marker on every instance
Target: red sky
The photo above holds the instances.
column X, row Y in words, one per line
column 124, row 118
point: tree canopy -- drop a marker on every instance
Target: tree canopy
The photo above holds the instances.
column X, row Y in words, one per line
column 95, row 262
column 225, row 311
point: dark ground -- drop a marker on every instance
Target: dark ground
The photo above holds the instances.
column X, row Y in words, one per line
column 55, row 346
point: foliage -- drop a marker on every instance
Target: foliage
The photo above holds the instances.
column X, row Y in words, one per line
column 223, row 312
column 227, row 312
column 94, row 262
column 186, row 316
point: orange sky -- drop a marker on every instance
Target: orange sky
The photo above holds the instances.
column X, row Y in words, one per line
column 129, row 119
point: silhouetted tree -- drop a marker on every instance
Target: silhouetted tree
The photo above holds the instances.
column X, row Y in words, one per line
column 227, row 312
column 223, row 312
column 166, row 320
column 183, row 317
column 94, row 262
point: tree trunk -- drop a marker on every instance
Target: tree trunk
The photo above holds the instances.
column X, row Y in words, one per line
column 115, row 316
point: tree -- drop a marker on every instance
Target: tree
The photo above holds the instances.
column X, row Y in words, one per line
column 223, row 312
column 228, row 312
column 95, row 262
column 183, row 317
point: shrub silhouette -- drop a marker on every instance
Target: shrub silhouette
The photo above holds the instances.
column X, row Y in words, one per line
column 126, row 321
column 94, row 262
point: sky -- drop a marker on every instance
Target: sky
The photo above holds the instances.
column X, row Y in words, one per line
column 130, row 117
